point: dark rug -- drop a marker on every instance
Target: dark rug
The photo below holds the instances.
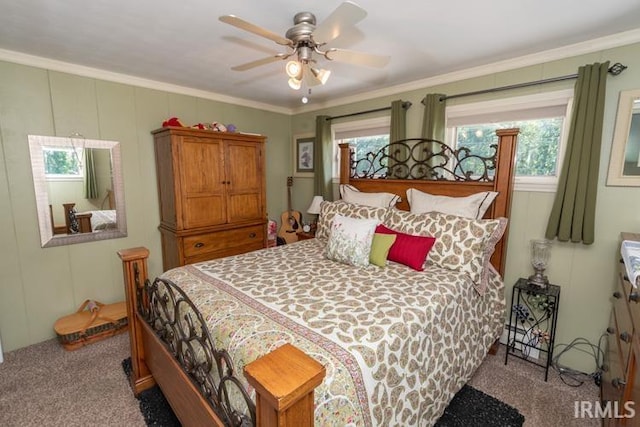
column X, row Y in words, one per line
column 469, row 408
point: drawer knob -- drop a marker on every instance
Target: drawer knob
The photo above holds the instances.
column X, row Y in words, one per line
column 618, row 383
column 252, row 235
column 625, row 336
column 610, row 330
column 617, row 295
column 605, row 368
column 199, row 245
column 634, row 296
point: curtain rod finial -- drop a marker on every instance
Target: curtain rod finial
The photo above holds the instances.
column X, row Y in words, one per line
column 617, row 68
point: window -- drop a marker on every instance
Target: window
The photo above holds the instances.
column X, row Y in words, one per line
column 542, row 120
column 62, row 162
column 368, row 136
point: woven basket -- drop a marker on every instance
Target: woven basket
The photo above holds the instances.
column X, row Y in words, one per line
column 92, row 322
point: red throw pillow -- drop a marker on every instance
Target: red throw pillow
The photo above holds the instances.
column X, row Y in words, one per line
column 407, row 249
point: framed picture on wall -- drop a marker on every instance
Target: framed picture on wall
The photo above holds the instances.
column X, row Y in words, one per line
column 304, row 152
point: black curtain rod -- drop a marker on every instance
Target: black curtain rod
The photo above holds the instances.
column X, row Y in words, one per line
column 615, row 69
column 405, row 105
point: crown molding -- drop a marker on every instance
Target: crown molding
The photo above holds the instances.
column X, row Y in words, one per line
column 97, row 73
column 568, row 51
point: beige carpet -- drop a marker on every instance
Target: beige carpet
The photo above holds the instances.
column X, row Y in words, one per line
column 44, row 385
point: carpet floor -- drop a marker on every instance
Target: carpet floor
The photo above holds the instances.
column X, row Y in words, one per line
column 44, row 385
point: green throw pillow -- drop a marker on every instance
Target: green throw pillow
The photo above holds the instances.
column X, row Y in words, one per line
column 380, row 248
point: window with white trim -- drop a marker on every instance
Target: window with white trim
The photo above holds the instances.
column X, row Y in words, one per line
column 365, row 135
column 543, row 120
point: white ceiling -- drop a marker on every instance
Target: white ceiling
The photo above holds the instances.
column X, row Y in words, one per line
column 184, row 43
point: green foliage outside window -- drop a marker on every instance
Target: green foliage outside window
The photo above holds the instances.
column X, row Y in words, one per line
column 537, row 152
column 368, row 146
column 61, row 161
column 538, row 143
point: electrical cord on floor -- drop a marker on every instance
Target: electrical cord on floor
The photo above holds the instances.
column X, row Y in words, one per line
column 575, row 378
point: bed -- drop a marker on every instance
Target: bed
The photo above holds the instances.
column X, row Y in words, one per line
column 287, row 336
column 103, row 220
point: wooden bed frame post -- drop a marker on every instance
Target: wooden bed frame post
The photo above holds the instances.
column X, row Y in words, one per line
column 134, row 263
column 504, row 186
column 345, row 162
column 284, row 381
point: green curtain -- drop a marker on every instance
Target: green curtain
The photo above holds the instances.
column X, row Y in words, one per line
column 573, row 213
column 398, row 129
column 397, row 132
column 90, row 180
column 433, row 122
column 322, row 163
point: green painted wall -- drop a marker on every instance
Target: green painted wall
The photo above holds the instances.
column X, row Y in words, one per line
column 585, row 273
column 37, row 286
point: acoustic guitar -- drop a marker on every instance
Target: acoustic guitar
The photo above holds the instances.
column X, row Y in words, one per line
column 291, row 221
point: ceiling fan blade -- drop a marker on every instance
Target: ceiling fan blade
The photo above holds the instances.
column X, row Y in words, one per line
column 259, row 62
column 345, row 15
column 358, row 58
column 252, row 28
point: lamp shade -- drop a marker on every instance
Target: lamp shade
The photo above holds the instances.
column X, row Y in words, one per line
column 314, row 208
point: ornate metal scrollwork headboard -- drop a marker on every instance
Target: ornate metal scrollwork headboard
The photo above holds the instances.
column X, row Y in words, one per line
column 428, row 159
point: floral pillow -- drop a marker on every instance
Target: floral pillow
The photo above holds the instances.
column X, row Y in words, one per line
column 329, row 210
column 462, row 244
column 350, row 240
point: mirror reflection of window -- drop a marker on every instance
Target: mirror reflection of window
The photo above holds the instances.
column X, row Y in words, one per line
column 632, row 152
column 624, row 164
column 62, row 162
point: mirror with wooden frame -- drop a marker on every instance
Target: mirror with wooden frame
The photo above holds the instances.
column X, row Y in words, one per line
column 79, row 189
column 624, row 166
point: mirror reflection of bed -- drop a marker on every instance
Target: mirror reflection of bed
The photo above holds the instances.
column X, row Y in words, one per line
column 86, row 221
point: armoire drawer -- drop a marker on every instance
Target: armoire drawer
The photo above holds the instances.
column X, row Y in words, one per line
column 226, row 240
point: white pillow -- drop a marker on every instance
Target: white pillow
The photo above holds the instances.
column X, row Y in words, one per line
column 350, row 240
column 473, row 206
column 351, row 194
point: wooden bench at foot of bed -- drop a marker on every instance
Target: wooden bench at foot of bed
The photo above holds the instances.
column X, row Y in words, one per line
column 284, row 379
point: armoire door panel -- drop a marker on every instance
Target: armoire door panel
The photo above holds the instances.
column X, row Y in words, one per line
column 244, row 171
column 203, row 167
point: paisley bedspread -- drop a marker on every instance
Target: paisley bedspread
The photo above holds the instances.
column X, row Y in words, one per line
column 397, row 344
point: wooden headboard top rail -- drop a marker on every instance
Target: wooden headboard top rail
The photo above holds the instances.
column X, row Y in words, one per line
column 502, row 183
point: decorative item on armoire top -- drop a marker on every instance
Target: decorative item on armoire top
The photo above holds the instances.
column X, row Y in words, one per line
column 540, row 252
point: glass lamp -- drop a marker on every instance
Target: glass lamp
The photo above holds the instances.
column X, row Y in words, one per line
column 540, row 251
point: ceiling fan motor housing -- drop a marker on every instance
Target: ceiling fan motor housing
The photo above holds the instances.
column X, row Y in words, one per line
column 300, row 34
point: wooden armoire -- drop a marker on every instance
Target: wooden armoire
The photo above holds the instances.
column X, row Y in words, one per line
column 211, row 188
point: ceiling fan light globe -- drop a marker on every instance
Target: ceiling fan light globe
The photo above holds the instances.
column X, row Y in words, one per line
column 294, row 83
column 293, row 69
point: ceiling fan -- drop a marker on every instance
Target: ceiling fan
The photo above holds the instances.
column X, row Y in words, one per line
column 306, row 39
